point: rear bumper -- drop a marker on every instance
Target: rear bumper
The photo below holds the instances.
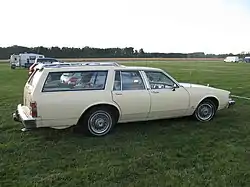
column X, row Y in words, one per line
column 21, row 116
column 231, row 102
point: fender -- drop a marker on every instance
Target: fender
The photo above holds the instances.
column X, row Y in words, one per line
column 101, row 103
column 207, row 96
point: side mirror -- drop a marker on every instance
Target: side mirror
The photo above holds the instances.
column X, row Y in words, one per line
column 174, row 87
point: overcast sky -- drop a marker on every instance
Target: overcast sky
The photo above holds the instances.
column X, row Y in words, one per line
column 212, row 26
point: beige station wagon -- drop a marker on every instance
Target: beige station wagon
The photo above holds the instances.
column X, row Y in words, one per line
column 104, row 94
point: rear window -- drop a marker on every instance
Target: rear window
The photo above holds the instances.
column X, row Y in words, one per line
column 34, row 77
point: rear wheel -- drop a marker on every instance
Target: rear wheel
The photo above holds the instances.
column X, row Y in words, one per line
column 205, row 111
column 99, row 121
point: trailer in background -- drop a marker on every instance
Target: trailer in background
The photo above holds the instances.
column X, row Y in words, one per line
column 24, row 60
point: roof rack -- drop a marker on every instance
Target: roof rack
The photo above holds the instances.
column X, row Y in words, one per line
column 74, row 64
column 99, row 63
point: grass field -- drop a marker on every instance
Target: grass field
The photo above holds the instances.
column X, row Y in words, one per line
column 178, row 152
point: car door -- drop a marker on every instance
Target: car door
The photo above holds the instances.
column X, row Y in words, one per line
column 167, row 98
column 131, row 95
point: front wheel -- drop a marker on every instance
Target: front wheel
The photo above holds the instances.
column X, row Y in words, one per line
column 205, row 111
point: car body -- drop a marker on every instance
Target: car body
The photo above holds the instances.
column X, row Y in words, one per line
column 44, row 60
column 108, row 94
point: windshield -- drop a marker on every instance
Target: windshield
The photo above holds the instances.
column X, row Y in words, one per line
column 46, row 60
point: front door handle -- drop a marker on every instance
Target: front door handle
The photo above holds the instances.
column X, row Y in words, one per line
column 118, row 93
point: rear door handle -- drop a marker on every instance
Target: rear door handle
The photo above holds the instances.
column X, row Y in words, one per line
column 118, row 93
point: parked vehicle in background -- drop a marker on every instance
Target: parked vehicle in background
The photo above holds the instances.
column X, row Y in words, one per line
column 24, row 60
column 247, row 59
column 14, row 61
column 105, row 95
column 231, row 59
column 44, row 60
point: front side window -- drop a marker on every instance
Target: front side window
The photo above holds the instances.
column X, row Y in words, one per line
column 71, row 81
column 159, row 80
column 128, row 80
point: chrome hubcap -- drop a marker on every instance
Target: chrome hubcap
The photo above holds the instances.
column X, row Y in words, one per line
column 100, row 122
column 205, row 111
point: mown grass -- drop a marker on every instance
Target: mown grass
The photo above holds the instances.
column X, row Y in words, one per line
column 178, row 152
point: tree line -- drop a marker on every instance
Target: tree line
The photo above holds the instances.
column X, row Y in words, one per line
column 90, row 52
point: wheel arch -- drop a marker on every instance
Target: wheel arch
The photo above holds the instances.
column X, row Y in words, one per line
column 112, row 106
column 212, row 98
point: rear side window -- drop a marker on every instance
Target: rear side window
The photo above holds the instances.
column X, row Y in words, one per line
column 128, row 80
column 34, row 78
column 73, row 81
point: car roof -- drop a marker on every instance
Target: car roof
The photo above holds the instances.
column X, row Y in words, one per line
column 137, row 68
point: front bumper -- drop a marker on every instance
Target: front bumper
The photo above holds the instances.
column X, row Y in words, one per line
column 22, row 116
column 231, row 102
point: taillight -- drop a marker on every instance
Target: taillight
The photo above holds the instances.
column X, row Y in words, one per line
column 33, row 110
